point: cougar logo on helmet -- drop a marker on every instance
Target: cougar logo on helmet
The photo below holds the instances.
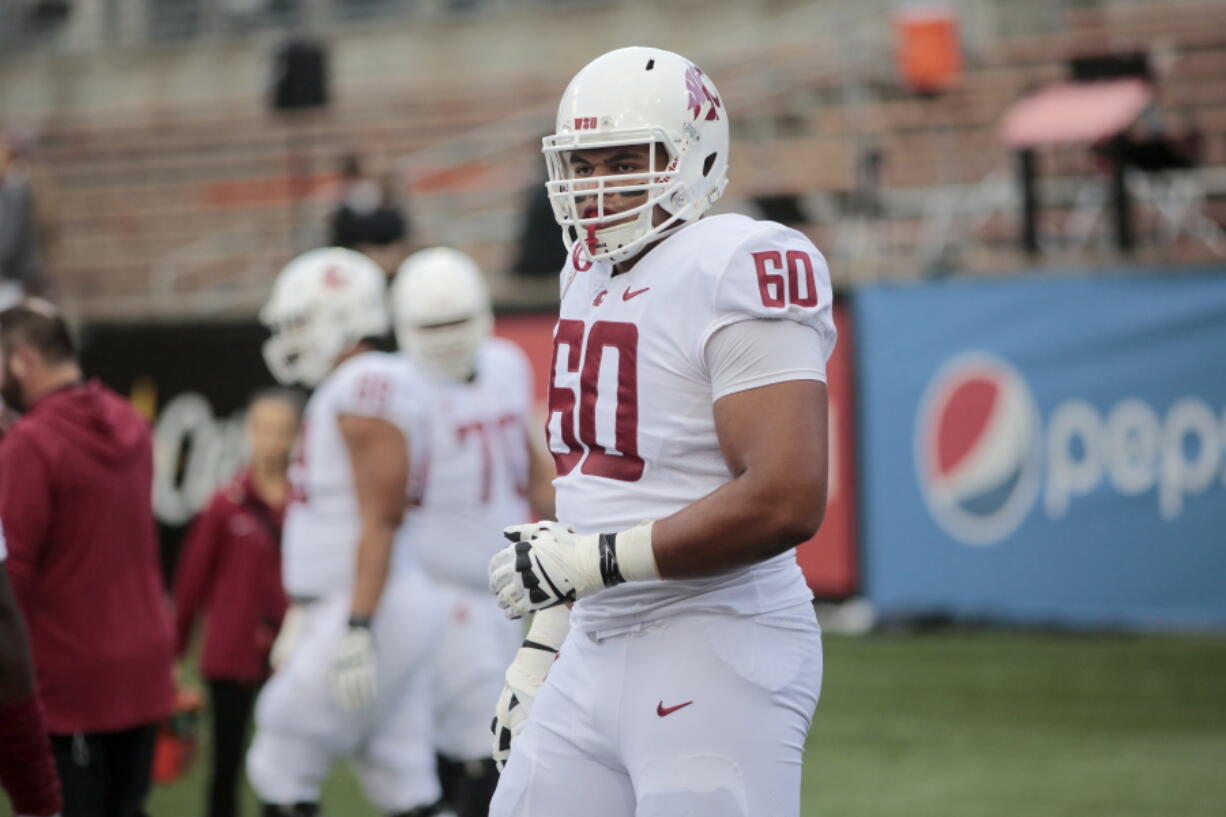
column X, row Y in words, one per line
column 322, row 303
column 334, row 278
column 699, row 93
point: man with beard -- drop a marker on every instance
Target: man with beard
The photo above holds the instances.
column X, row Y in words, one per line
column 76, row 474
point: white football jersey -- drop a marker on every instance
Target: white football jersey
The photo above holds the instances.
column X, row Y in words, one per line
column 319, row 542
column 478, row 478
column 631, row 423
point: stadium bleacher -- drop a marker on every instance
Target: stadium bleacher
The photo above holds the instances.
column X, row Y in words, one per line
column 150, row 195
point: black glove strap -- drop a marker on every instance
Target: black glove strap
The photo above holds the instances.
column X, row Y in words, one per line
column 362, row 622
column 536, row 645
column 610, row 573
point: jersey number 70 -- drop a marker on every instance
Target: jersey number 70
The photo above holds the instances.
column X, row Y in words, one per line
column 584, row 355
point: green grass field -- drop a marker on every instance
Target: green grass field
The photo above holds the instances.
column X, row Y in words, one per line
column 972, row 724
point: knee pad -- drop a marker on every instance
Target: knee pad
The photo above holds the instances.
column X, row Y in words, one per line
column 701, row 786
column 468, row 785
column 296, row 810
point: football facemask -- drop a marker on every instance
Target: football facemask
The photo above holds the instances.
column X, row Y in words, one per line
column 636, row 97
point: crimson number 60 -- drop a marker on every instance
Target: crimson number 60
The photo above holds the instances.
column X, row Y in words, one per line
column 774, row 289
column 625, row 464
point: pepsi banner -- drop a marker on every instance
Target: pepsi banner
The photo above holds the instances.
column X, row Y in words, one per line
column 1046, row 450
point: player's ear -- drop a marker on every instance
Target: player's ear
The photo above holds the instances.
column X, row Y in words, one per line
column 24, row 359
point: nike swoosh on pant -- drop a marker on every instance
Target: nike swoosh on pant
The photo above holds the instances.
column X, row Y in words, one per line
column 664, row 711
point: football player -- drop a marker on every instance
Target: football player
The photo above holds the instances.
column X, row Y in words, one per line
column 688, row 425
column 353, row 652
column 488, row 466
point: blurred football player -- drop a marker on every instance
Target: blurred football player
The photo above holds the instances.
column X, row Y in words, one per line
column 487, row 468
column 688, row 425
column 353, row 652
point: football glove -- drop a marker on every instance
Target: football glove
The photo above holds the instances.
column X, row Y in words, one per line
column 548, row 564
column 525, row 677
column 352, row 672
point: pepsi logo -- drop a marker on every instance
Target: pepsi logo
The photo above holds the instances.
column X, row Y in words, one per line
column 977, row 448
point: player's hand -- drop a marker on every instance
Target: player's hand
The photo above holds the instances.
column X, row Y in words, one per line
column 549, row 564
column 352, row 672
column 525, row 677
column 287, row 637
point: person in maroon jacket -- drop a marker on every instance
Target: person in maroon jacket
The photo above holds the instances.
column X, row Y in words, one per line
column 27, row 770
column 76, row 477
column 230, row 569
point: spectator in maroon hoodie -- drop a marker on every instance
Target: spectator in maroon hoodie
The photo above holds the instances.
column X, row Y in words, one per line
column 27, row 771
column 76, row 475
column 230, row 569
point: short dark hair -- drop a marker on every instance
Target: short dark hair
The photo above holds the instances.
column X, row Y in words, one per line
column 290, row 397
column 38, row 324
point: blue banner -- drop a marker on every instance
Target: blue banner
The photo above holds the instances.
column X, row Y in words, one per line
column 1047, row 450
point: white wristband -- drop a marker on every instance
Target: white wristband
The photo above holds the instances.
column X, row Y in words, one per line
column 636, row 559
column 541, row 645
column 608, row 559
column 550, row 626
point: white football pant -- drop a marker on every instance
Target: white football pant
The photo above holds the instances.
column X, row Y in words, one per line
column 301, row 730
column 702, row 715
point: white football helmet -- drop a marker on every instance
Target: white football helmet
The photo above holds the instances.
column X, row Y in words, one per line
column 322, row 303
column 441, row 311
column 638, row 96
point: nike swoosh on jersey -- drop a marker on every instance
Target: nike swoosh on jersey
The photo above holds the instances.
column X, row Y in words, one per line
column 664, row 711
column 627, row 295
